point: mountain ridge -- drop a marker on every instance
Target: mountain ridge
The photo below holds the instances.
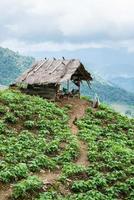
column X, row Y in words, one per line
column 12, row 64
column 127, row 83
column 107, row 92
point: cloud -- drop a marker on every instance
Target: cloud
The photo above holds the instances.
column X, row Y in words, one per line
column 25, row 48
column 66, row 25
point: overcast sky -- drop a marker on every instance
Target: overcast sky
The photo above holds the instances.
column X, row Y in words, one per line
column 30, row 26
column 98, row 32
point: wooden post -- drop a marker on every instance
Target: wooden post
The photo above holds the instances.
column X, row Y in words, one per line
column 79, row 91
column 68, row 85
column 67, row 89
column 57, row 92
column 79, row 87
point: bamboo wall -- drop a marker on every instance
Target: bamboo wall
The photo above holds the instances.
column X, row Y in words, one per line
column 45, row 91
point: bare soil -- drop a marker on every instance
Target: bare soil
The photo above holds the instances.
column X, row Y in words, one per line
column 48, row 177
column 5, row 191
column 77, row 111
column 79, row 107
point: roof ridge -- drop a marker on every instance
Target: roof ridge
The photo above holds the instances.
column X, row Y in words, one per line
column 53, row 71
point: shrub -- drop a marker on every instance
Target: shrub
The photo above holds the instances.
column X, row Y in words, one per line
column 2, row 127
column 3, row 109
column 10, row 118
column 29, row 124
column 31, row 184
column 14, row 172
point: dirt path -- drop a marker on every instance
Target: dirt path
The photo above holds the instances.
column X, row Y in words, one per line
column 78, row 108
column 83, row 158
column 77, row 111
column 48, row 177
column 5, row 192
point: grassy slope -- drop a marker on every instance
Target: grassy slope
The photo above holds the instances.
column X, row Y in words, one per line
column 34, row 135
column 110, row 151
column 109, row 176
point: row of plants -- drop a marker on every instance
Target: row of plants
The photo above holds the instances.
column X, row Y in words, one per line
column 110, row 173
column 32, row 134
column 109, row 136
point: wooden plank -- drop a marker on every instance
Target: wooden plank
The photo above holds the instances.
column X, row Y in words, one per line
column 60, row 63
column 43, row 90
column 50, row 96
column 40, row 93
column 39, row 66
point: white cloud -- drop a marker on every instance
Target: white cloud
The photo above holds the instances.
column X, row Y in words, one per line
column 68, row 24
column 49, row 46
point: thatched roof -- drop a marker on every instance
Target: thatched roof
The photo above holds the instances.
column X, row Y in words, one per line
column 54, row 71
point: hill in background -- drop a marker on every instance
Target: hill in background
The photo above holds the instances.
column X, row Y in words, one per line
column 11, row 65
column 127, row 83
column 108, row 92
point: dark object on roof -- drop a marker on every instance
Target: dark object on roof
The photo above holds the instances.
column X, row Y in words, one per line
column 45, row 77
column 54, row 71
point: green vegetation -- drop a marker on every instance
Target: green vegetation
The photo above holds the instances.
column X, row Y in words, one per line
column 12, row 65
column 34, row 136
column 108, row 93
column 29, row 185
column 32, row 131
column 110, row 152
column 109, row 176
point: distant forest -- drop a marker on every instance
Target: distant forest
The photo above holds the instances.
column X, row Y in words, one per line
column 108, row 93
column 13, row 64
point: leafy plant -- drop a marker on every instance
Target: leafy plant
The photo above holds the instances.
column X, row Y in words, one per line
column 9, row 117
column 2, row 127
column 9, row 173
column 3, row 109
column 31, row 184
column 29, row 124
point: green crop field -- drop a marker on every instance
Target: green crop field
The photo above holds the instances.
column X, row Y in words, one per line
column 35, row 136
column 110, row 153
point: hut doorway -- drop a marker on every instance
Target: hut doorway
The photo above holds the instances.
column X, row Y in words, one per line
column 69, row 89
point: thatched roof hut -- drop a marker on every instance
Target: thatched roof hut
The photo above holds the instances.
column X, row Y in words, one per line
column 46, row 75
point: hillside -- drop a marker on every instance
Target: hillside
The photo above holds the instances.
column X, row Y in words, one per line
column 127, row 83
column 49, row 152
column 11, row 65
column 108, row 92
